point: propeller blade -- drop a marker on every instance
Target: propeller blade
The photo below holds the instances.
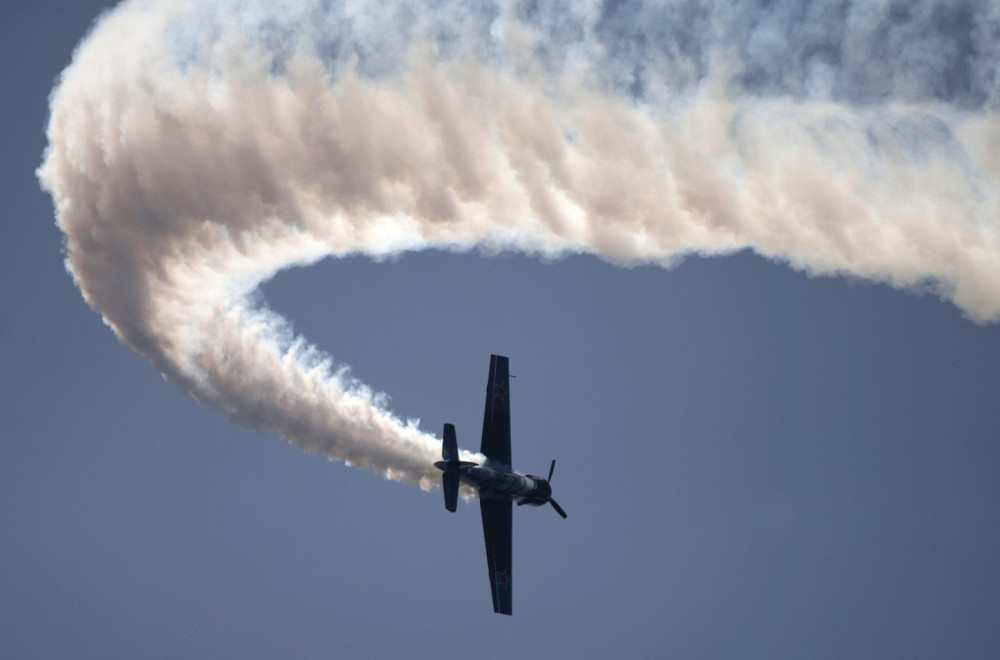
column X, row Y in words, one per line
column 551, row 468
column 557, row 507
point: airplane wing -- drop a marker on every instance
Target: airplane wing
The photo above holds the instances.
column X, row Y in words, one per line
column 496, row 419
column 497, row 530
column 497, row 514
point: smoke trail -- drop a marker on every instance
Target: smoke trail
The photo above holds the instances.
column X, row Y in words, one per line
column 196, row 150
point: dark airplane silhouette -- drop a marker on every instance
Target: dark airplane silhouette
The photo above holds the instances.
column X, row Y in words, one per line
column 498, row 485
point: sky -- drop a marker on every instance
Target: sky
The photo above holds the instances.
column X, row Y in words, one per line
column 766, row 449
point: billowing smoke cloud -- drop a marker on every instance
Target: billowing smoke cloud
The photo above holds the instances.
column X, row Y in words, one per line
column 198, row 148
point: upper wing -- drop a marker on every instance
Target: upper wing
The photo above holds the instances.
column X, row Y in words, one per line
column 496, row 419
column 497, row 530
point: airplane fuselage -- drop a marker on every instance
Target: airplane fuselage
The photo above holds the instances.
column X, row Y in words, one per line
column 503, row 484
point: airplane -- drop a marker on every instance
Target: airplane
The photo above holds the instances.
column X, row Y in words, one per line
column 497, row 484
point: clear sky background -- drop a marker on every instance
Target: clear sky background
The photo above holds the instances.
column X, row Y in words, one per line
column 755, row 463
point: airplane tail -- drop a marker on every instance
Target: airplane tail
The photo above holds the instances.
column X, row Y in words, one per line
column 449, row 478
column 451, row 467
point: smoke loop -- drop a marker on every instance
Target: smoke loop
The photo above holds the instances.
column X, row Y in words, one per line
column 194, row 151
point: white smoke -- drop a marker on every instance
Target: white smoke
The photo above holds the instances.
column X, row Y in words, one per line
column 195, row 150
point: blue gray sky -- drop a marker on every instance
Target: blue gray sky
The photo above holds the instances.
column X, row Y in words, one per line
column 757, row 460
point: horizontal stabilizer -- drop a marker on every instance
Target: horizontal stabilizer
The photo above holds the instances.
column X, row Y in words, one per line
column 450, row 477
column 449, row 482
column 449, row 446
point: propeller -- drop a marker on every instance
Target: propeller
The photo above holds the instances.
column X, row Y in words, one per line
column 552, row 501
column 555, row 505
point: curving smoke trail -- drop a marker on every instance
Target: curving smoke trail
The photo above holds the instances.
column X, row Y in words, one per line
column 195, row 150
